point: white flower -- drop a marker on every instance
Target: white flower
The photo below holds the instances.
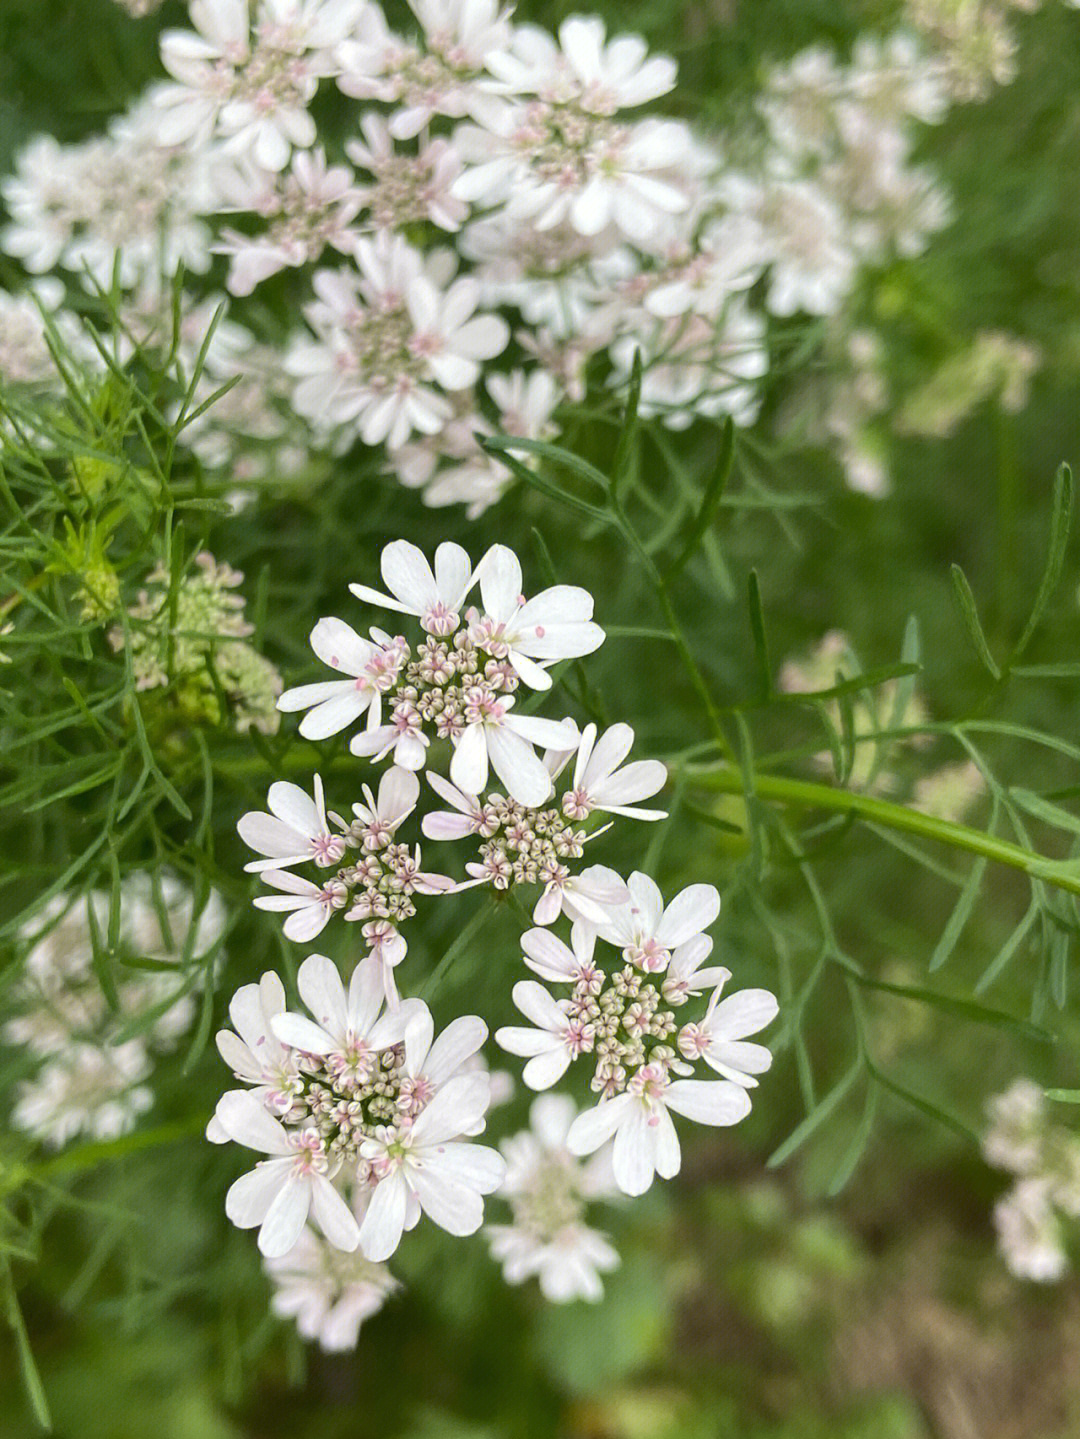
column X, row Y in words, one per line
column 422, row 1165
column 429, row 1065
column 684, row 976
column 526, row 401
column 601, row 780
column 719, row 1038
column 310, row 206
column 591, row 175
column 547, row 956
column 295, row 831
column 96, row 1090
column 558, row 1036
column 309, row 906
column 379, row 819
column 250, row 73
column 590, row 897
column 1029, row 1233
column 407, row 188
column 546, row 1188
column 279, row 1194
column 648, row 932
column 585, row 70
column 494, row 735
column 349, row 1029
column 532, row 634
column 254, row 1053
column 434, row 597
column 373, row 666
column 389, row 341
column 467, row 817
column 438, row 78
column 328, row 1293
column 645, row 1138
column 1016, row 1138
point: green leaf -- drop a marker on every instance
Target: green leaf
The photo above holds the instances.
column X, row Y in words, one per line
column 859, row 1140
column 1063, row 1096
column 710, row 499
column 1008, row 949
column 1055, row 557
column 35, row 1390
column 924, row 1106
column 815, row 1118
column 867, row 680
column 624, row 451
column 961, row 1008
column 757, row 627
column 960, row 915
column 1045, row 810
column 970, row 615
column 544, row 485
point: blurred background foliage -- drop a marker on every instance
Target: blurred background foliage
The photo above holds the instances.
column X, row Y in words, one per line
column 751, row 1302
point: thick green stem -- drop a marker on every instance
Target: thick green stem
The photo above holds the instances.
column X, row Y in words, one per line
column 806, row 794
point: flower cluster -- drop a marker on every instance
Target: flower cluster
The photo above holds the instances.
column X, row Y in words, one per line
column 192, row 642
column 625, row 1020
column 548, row 1189
column 90, row 1079
column 502, row 212
column 359, row 1094
column 365, row 1119
column 1045, row 1158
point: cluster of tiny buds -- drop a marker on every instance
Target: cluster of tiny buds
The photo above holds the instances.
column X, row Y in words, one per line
column 342, row 1099
column 623, row 1020
column 524, row 846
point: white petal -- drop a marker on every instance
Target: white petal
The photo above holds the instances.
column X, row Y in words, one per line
column 544, row 1070
column 459, row 1041
column 634, row 1156
column 249, row 1199
column 322, row 991
column 708, row 1101
column 299, row 1033
column 333, row 1215
column 688, row 914
column 381, row 1229
column 743, row 1013
column 286, row 1217
column 469, row 763
column 518, row 766
column 595, row 1126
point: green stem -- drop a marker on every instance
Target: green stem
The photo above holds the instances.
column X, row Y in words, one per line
column 678, row 634
column 728, row 779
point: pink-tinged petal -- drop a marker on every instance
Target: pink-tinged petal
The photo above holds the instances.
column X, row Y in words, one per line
column 708, row 1101
column 469, row 762
column 373, row 597
column 633, row 1158
column 459, row 1041
column 249, row 1199
column 399, row 790
column 365, row 996
column 322, row 991
column 294, row 808
column 646, row 902
column 457, row 1106
column 248, row 1011
column 738, row 1060
column 300, row 1033
column 286, row 1217
column 743, row 1013
column 339, row 646
column 238, row 1056
column 333, row 1215
column 334, row 714
column 551, row 734
column 518, row 766
column 419, row 1033
column 439, row 825
column 548, row 907
column 373, row 742
column 537, row 1005
column 453, row 573
column 473, row 1165
column 606, row 756
column 302, row 697
column 559, row 605
column 529, row 672
column 688, row 914
column 636, row 781
column 243, row 1118
column 526, row 1042
column 451, row 1206
column 500, row 582
column 559, row 642
column 408, row 575
column 544, row 1070
column 595, row 1126
column 549, row 956
column 668, row 1153
column 306, row 924
column 382, row 1226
